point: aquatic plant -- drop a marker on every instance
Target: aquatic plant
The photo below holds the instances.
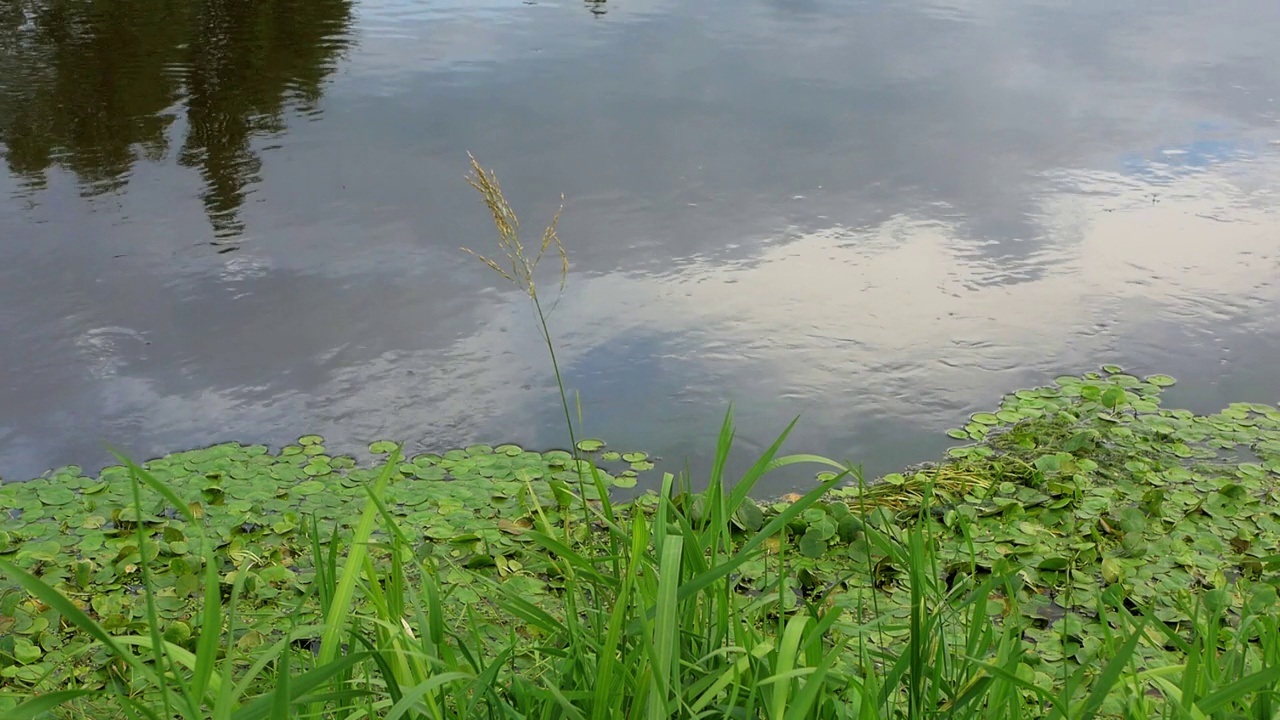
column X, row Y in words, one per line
column 1053, row 542
column 518, row 267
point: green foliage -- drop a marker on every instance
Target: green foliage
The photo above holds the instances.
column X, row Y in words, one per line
column 250, row 508
column 1032, row 580
column 664, row 628
column 1096, row 478
column 165, row 675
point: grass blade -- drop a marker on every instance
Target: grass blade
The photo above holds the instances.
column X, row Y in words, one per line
column 335, row 619
column 663, row 645
column 1106, row 680
column 1240, row 689
column 414, row 694
column 299, row 685
column 41, row 705
column 54, row 599
column 699, row 583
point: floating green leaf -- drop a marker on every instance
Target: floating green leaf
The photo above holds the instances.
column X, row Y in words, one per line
column 55, row 495
column 1112, row 397
column 812, row 544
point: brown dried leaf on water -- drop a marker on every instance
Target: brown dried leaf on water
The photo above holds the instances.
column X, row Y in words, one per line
column 515, row 527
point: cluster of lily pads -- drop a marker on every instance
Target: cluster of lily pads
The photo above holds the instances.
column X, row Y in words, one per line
column 1081, row 489
column 79, row 532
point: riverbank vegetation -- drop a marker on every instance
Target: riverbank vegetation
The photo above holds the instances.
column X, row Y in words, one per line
column 1089, row 552
column 1085, row 552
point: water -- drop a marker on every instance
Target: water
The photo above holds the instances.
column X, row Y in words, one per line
column 240, row 220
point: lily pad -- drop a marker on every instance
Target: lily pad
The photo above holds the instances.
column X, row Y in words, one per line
column 812, row 544
column 54, row 495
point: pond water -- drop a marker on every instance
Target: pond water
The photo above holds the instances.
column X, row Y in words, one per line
column 241, row 219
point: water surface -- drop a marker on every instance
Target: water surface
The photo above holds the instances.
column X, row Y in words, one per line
column 240, row 220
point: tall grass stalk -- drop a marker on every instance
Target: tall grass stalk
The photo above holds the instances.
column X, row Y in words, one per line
column 520, row 269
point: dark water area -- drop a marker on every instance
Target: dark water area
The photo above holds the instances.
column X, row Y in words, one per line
column 241, row 220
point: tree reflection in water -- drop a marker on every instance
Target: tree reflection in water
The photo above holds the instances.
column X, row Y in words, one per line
column 94, row 86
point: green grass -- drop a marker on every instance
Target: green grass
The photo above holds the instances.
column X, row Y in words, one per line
column 648, row 623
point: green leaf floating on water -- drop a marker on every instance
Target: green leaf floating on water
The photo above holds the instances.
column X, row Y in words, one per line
column 1079, row 441
column 381, row 447
column 1054, row 563
column 557, row 458
column 748, row 516
column 1112, row 397
column 986, row 419
column 25, row 652
column 590, row 445
column 850, row 528
column 55, row 495
column 812, row 544
column 43, row 551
